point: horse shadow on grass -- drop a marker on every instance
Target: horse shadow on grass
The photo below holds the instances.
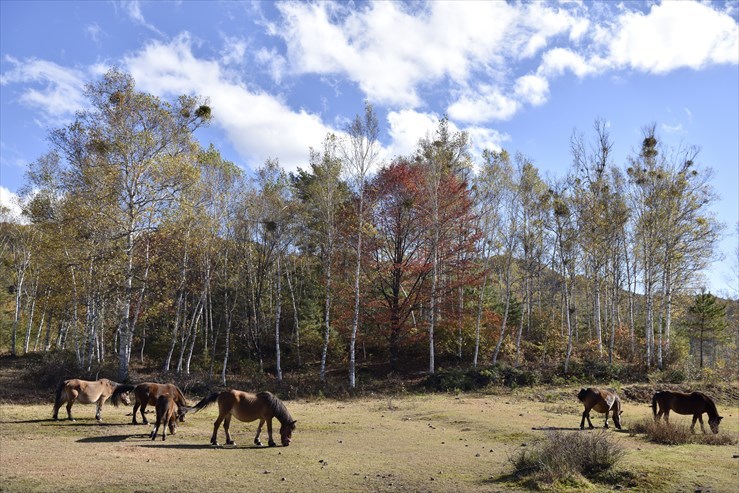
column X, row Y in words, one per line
column 106, row 439
column 28, row 421
column 197, row 446
column 555, row 428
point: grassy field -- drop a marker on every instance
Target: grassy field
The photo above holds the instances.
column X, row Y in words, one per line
column 407, row 443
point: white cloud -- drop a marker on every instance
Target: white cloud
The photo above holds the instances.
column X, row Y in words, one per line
column 674, row 35
column 482, row 138
column 56, row 91
column 396, row 52
column 94, row 31
column 672, row 128
column 258, row 125
column 486, row 104
column 407, row 127
column 532, row 89
column 133, row 9
column 275, row 63
column 558, row 60
column 391, row 50
column 11, row 202
column 234, row 50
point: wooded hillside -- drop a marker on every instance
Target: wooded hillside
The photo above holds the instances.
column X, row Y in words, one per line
column 141, row 242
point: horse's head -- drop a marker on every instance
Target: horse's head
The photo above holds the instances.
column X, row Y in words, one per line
column 181, row 412
column 581, row 395
column 714, row 422
column 126, row 398
column 286, row 432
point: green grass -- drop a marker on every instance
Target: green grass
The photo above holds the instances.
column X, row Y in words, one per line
column 407, row 443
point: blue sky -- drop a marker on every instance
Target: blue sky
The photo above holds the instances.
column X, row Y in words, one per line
column 280, row 75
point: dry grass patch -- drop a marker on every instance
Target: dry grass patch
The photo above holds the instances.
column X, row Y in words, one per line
column 677, row 434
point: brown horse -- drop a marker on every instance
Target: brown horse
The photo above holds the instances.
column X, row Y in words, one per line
column 602, row 401
column 88, row 392
column 695, row 403
column 167, row 413
column 147, row 394
column 249, row 407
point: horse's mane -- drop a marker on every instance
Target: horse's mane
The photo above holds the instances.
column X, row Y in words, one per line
column 118, row 390
column 180, row 397
column 278, row 408
column 711, row 407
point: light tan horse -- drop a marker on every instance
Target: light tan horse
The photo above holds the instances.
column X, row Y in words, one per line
column 87, row 392
column 167, row 412
column 601, row 401
column 247, row 407
column 147, row 393
column 695, row 403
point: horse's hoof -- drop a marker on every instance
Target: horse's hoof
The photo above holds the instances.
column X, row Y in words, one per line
column 258, row 443
column 230, row 442
column 272, row 444
column 215, row 444
column 591, row 427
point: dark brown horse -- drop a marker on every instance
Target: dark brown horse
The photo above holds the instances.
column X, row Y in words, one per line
column 249, row 407
column 147, row 393
column 695, row 403
column 88, row 392
column 167, row 414
column 602, row 401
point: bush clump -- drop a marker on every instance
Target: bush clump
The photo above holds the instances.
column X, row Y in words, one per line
column 565, row 457
column 466, row 380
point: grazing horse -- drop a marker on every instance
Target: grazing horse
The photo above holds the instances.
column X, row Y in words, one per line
column 247, row 407
column 147, row 394
column 602, row 401
column 88, row 392
column 695, row 403
column 167, row 413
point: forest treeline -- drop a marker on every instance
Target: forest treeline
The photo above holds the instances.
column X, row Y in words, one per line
column 142, row 244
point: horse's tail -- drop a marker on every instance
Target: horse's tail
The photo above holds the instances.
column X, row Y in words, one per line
column 205, row 402
column 58, row 396
column 654, row 404
column 119, row 390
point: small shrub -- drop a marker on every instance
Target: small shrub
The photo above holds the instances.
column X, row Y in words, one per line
column 567, row 456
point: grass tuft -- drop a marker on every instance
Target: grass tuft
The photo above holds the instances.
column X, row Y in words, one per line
column 567, row 457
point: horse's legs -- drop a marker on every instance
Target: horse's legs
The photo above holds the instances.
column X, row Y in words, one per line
column 57, row 405
column 586, row 414
column 698, row 417
column 135, row 408
column 259, row 431
column 606, row 425
column 213, row 438
column 155, row 430
column 271, row 442
column 143, row 416
column 100, row 403
column 70, row 400
column 226, row 426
